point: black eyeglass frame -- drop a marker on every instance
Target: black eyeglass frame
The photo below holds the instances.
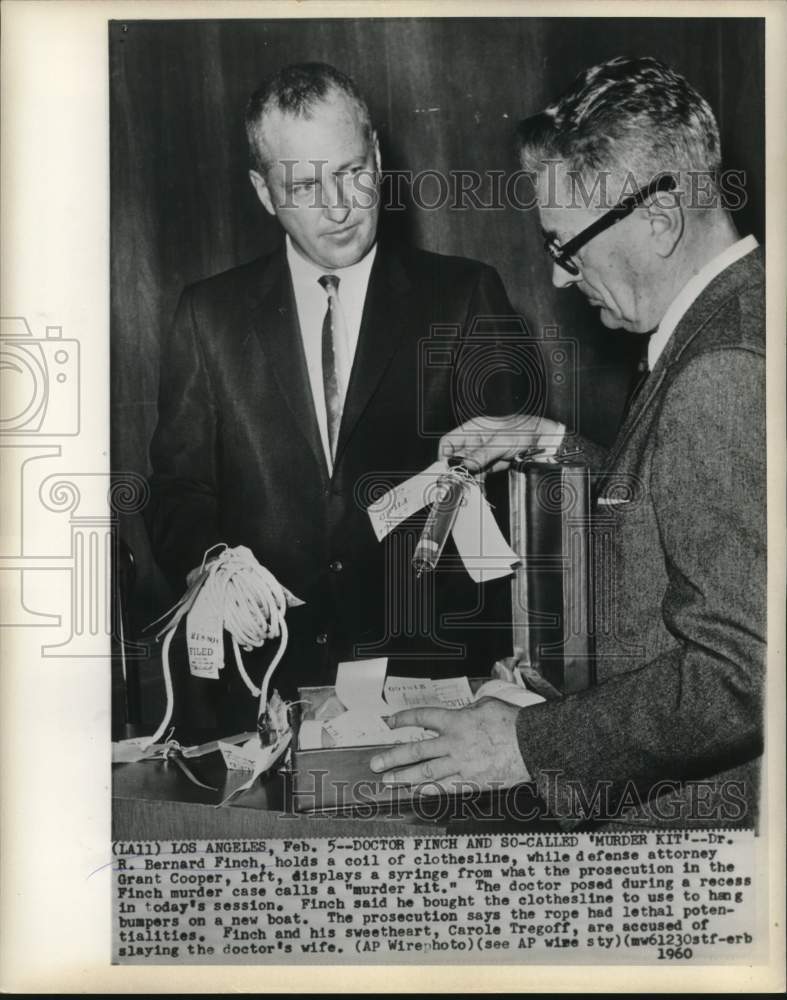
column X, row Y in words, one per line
column 562, row 255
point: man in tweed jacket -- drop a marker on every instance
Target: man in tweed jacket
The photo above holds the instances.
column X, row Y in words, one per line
column 671, row 735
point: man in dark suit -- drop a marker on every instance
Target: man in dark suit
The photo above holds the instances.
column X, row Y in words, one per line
column 672, row 732
column 294, row 388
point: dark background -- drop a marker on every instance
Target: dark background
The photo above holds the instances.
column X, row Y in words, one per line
column 445, row 94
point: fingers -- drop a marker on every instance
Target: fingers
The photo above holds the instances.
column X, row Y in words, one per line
column 492, row 441
column 407, row 753
column 493, row 447
column 495, row 453
column 469, row 462
column 458, row 442
column 472, row 434
column 421, row 774
column 427, row 718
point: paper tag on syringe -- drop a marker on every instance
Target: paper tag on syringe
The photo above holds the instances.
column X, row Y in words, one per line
column 485, row 553
column 204, row 638
column 404, row 500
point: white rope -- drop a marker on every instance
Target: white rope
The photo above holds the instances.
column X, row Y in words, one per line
column 167, row 688
column 249, row 602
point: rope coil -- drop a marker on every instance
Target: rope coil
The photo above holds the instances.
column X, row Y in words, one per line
column 250, row 604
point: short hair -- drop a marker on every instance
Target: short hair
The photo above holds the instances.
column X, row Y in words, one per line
column 632, row 115
column 296, row 90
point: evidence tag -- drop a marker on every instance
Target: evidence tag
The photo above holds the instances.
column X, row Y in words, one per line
column 403, row 500
column 204, row 637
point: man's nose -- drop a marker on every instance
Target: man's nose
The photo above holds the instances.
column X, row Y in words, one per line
column 337, row 204
column 561, row 278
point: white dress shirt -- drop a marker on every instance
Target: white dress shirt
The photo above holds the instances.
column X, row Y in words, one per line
column 686, row 296
column 311, row 301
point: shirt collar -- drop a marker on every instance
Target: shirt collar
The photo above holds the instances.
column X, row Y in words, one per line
column 690, row 291
column 308, row 273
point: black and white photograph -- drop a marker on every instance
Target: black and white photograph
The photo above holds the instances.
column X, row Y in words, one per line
column 419, row 575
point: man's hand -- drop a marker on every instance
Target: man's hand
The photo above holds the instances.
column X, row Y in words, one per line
column 475, row 745
column 494, row 441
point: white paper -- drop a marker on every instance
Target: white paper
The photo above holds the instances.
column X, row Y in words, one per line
column 505, row 691
column 310, row 735
column 205, row 637
column 419, row 692
column 480, row 543
column 356, row 729
column 329, row 709
column 359, row 685
column 404, row 500
column 407, row 692
column 251, row 756
column 453, row 692
column 484, row 551
column 292, row 600
column 240, row 758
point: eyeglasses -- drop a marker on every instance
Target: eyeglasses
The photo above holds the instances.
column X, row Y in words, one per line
column 563, row 254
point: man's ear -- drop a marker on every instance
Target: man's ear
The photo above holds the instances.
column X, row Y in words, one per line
column 665, row 214
column 260, row 186
column 377, row 160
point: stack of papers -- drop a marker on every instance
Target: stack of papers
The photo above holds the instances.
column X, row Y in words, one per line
column 368, row 698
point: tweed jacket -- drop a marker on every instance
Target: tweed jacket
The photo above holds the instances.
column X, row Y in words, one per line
column 672, row 732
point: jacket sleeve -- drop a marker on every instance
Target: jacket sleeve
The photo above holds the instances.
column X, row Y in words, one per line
column 696, row 709
column 182, row 516
column 576, row 448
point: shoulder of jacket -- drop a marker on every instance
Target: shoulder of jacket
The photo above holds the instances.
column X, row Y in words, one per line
column 737, row 324
column 232, row 280
column 427, row 263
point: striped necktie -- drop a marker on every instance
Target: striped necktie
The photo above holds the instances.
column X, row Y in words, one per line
column 334, row 358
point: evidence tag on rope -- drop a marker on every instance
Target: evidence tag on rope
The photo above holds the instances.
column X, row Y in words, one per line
column 450, row 492
column 233, row 592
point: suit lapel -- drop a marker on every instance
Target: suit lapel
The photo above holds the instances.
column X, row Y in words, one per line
column 379, row 337
column 274, row 320
column 725, row 284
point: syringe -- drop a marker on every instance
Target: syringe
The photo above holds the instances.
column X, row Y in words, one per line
column 450, row 491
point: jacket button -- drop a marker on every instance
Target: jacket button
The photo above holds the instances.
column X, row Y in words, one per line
column 336, row 566
column 322, row 638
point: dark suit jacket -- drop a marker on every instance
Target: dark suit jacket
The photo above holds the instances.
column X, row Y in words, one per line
column 237, row 456
column 680, row 606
